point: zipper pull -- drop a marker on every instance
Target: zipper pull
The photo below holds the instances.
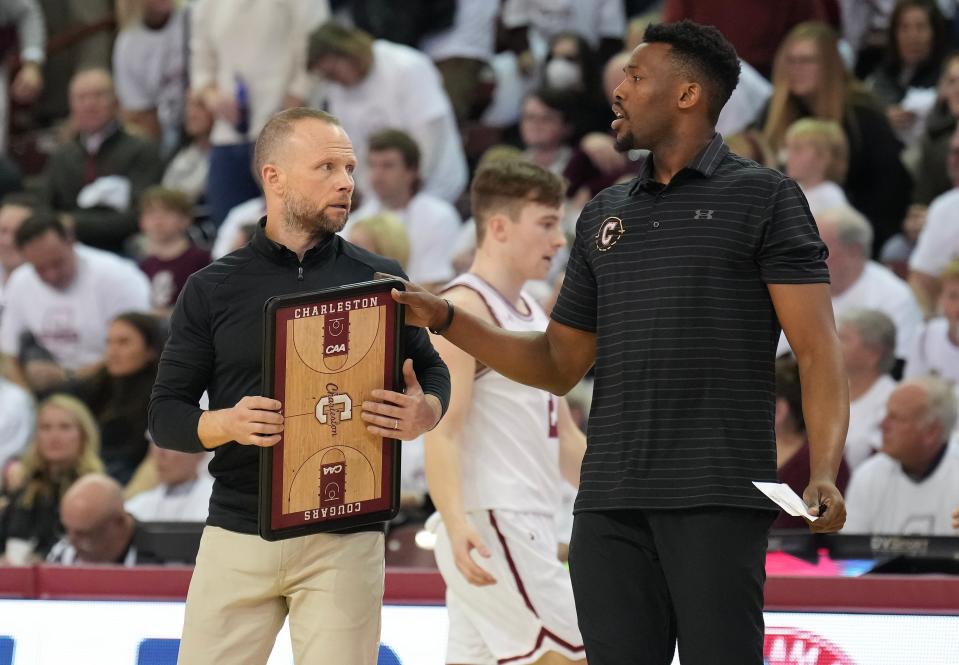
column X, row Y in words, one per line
column 299, row 276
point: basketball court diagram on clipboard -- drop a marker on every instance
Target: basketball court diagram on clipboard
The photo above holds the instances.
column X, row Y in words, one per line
column 328, row 355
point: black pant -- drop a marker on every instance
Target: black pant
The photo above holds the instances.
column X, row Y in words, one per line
column 645, row 579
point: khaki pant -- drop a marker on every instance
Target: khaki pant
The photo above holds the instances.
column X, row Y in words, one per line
column 243, row 587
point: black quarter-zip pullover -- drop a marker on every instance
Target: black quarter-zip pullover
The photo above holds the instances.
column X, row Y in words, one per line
column 216, row 345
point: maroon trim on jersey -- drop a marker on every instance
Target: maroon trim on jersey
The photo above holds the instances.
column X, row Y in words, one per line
column 543, row 631
column 480, row 294
column 525, row 317
column 481, row 369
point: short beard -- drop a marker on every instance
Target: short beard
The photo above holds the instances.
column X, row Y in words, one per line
column 625, row 144
column 300, row 215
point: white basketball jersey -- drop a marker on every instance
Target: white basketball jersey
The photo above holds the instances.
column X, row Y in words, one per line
column 510, row 445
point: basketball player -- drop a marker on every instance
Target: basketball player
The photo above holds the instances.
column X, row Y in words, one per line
column 330, row 585
column 495, row 464
column 677, row 286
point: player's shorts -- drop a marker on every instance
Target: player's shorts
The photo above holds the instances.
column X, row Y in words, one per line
column 528, row 612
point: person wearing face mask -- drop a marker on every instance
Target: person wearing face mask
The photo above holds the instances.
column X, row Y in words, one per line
column 563, row 74
column 572, row 67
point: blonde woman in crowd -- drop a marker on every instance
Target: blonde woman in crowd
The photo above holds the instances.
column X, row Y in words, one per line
column 66, row 446
column 810, row 80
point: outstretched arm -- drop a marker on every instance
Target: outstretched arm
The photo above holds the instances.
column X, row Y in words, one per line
column 554, row 360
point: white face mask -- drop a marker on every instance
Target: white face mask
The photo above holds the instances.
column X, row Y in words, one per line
column 561, row 74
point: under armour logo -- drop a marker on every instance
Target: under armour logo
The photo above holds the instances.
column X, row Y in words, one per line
column 704, row 214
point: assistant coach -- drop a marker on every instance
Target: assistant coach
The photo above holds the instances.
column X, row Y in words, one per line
column 243, row 587
column 676, row 288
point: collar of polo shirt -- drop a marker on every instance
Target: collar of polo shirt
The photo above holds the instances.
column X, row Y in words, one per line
column 705, row 163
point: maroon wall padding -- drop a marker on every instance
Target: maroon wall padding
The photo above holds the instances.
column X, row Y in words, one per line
column 906, row 594
column 923, row 594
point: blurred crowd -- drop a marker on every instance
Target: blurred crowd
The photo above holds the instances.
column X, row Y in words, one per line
column 126, row 137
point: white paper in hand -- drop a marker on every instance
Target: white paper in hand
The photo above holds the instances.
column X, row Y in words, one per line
column 783, row 496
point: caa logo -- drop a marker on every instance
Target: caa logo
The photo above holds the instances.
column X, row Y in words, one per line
column 336, row 336
column 789, row 646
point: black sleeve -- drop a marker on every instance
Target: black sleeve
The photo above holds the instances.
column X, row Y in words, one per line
column 578, row 301
column 791, row 251
column 183, row 374
column 431, row 371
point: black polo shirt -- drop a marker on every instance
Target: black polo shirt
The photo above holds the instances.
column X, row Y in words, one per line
column 672, row 279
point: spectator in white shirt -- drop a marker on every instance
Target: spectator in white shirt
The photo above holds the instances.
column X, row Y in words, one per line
column 374, row 85
column 912, row 486
column 432, row 224
column 247, row 61
column 183, row 494
column 938, row 242
column 149, row 71
column 65, row 298
column 817, row 156
column 936, row 347
column 859, row 283
column 868, row 341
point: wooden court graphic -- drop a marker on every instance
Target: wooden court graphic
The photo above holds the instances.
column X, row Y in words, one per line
column 332, row 364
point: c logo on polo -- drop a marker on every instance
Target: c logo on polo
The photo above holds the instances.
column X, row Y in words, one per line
column 610, row 231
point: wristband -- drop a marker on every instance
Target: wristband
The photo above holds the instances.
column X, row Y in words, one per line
column 446, row 324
